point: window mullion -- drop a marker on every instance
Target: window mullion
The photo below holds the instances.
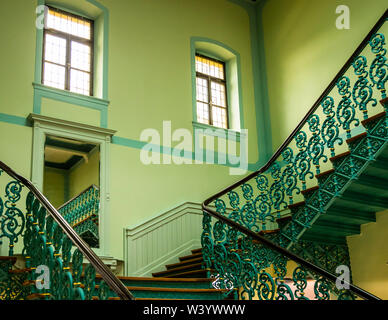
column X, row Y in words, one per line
column 68, row 62
column 210, row 100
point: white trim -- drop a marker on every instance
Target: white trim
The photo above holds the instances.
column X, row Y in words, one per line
column 149, row 246
column 50, row 126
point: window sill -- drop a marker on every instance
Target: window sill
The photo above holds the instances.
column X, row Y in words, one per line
column 228, row 134
column 70, row 97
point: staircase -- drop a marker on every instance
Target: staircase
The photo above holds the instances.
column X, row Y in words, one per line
column 327, row 179
column 188, row 266
column 171, row 286
column 278, row 234
column 350, row 193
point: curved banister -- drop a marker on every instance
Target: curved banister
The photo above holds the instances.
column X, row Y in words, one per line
column 279, row 151
column 205, row 205
column 357, row 290
column 112, row 281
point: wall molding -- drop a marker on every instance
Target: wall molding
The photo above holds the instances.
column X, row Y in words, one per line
column 43, row 126
column 152, row 244
column 215, row 131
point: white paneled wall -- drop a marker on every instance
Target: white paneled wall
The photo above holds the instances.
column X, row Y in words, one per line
column 148, row 247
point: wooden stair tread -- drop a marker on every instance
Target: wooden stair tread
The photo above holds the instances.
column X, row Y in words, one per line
column 185, row 262
column 322, row 174
column 373, row 118
column 339, row 156
column 191, row 256
column 196, row 251
column 156, row 289
column 188, row 273
column 5, row 258
column 110, row 298
column 264, row 232
column 296, row 205
column 384, row 101
column 162, row 299
column 177, row 269
column 161, row 279
column 312, row 189
column 161, row 289
column 357, row 137
column 34, row 296
column 18, row 271
column 282, row 219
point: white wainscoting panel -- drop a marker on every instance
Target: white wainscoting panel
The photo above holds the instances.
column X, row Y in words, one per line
column 149, row 246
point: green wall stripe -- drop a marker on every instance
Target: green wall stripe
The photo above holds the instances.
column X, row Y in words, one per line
column 14, row 120
column 167, row 150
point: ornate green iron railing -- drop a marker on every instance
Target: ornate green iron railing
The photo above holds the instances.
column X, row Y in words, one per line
column 48, row 244
column 82, row 213
column 248, row 244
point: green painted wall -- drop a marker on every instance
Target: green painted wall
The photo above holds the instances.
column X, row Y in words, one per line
column 16, row 147
column 150, row 64
column 17, row 61
column 70, row 112
column 54, row 186
column 369, row 258
column 84, row 175
column 149, row 81
column 305, row 50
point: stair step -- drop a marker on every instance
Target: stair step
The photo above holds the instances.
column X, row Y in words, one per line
column 38, row 296
column 178, row 270
column 284, row 219
column 196, row 251
column 191, row 256
column 110, row 298
column 157, row 299
column 323, row 174
column 348, row 215
column 356, row 138
column 373, row 118
column 163, row 282
column 19, row 271
column 309, row 190
column 184, row 263
column 380, row 163
column 363, row 202
column 372, row 185
column 7, row 258
column 336, row 229
column 189, row 274
column 173, row 293
column 384, row 101
column 264, row 232
column 340, row 156
column 295, row 206
column 323, row 238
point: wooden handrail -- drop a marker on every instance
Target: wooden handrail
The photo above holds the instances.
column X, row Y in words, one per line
column 357, row 290
column 111, row 280
column 285, row 144
column 362, row 293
